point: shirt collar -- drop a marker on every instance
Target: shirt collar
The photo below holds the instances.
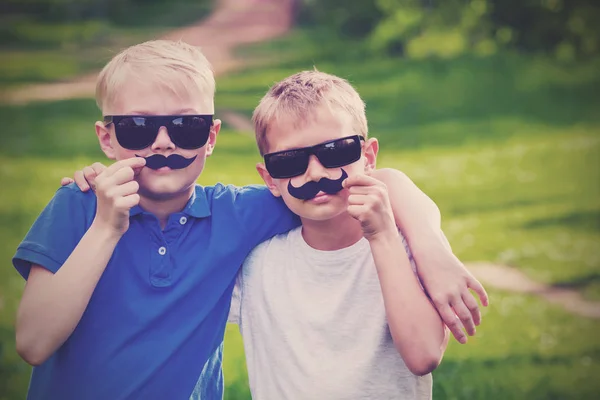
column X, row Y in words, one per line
column 197, row 205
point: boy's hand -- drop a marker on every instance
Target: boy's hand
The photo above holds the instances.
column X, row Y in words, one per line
column 369, row 203
column 117, row 190
column 85, row 178
column 447, row 282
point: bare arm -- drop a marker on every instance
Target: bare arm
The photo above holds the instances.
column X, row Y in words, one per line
column 416, row 327
column 52, row 304
column 443, row 275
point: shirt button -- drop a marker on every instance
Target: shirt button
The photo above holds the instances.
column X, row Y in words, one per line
column 182, row 220
column 162, row 251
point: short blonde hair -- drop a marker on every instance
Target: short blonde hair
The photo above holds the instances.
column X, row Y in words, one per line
column 175, row 65
column 297, row 98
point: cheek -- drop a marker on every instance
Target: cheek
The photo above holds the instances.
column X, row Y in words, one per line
column 357, row 168
column 291, row 202
column 122, row 154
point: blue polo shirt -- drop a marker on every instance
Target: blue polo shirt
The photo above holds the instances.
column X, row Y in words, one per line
column 154, row 326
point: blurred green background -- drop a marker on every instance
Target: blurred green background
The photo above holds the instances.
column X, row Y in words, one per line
column 490, row 106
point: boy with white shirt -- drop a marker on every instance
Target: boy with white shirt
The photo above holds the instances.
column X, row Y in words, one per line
column 332, row 309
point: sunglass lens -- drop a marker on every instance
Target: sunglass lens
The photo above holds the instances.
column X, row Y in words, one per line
column 339, row 153
column 135, row 133
column 190, row 132
column 286, row 164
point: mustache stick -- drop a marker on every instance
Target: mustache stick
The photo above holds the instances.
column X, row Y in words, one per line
column 310, row 189
column 174, row 161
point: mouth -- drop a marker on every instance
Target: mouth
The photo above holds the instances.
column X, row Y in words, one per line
column 321, row 197
column 161, row 170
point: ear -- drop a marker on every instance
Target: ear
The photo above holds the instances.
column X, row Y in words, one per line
column 104, row 137
column 371, row 149
column 212, row 137
column 269, row 181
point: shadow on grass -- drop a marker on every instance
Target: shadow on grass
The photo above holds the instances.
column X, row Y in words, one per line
column 581, row 282
column 580, row 219
column 496, row 203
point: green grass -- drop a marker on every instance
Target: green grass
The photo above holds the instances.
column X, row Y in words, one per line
column 33, row 51
column 507, row 146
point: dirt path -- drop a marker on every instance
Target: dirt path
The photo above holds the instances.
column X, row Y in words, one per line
column 233, row 23
column 510, row 279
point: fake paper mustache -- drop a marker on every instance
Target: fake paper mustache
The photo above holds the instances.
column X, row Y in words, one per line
column 174, row 161
column 310, row 189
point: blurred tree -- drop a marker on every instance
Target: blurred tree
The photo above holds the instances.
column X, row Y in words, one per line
column 420, row 28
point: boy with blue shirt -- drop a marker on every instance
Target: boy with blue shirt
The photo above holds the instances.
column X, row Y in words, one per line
column 128, row 291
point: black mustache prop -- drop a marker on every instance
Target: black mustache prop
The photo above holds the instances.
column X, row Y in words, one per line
column 310, row 189
column 174, row 161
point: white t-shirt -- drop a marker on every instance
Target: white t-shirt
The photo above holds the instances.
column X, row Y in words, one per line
column 314, row 325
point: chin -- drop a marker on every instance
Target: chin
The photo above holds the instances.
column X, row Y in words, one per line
column 318, row 212
column 163, row 189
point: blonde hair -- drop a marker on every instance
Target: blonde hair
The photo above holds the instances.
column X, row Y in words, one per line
column 297, row 98
column 174, row 65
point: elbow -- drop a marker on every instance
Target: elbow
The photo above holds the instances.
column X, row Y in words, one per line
column 424, row 364
column 29, row 351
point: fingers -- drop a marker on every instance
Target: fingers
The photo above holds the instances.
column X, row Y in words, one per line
column 66, row 181
column 463, row 313
column 119, row 190
column 81, row 181
column 358, row 211
column 452, row 321
column 133, row 162
column 360, row 199
column 474, row 284
column 118, row 173
column 367, row 203
column 123, row 190
column 89, row 174
column 127, row 202
column 107, row 184
column 98, row 167
column 473, row 307
column 361, row 180
column 123, row 175
column 368, row 194
column 86, row 178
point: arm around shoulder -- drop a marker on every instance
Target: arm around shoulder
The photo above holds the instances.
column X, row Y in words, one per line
column 444, row 277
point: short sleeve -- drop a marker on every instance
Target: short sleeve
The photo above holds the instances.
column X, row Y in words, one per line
column 262, row 214
column 56, row 232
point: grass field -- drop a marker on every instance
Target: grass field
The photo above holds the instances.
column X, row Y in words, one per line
column 41, row 51
column 507, row 146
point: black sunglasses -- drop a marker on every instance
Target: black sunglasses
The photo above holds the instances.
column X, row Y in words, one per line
column 331, row 154
column 136, row 132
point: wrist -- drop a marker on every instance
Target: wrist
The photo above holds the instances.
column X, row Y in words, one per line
column 428, row 248
column 104, row 232
column 385, row 237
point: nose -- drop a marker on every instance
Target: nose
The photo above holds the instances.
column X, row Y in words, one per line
column 163, row 140
column 315, row 170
